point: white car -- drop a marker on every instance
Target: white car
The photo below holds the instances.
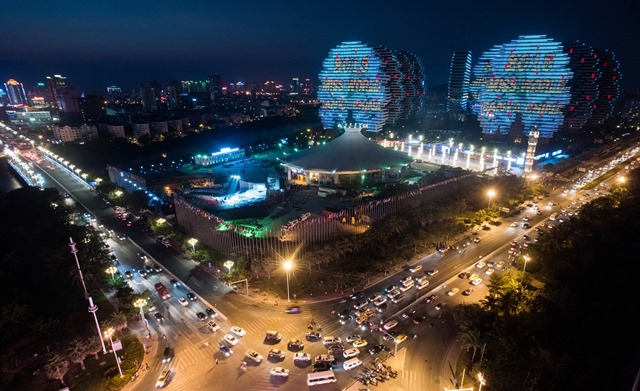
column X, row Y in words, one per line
column 301, row 356
column 239, row 331
column 453, row 291
column 163, row 379
column 212, row 326
column 183, row 301
column 279, row 371
column 489, row 271
column 254, row 356
column 231, row 340
column 390, row 324
column 353, row 352
column 380, row 301
column 480, row 264
column 477, row 281
column 432, row 272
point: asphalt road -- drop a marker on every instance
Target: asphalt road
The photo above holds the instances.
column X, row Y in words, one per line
column 425, row 362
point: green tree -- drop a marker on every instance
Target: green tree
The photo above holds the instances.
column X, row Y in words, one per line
column 77, row 352
column 57, row 367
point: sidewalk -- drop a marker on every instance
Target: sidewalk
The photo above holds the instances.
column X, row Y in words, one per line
column 151, row 349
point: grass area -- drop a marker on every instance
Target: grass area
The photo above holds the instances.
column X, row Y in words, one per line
column 102, row 374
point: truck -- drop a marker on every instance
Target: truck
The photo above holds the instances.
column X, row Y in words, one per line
column 162, row 291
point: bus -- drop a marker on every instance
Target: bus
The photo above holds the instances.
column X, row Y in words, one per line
column 323, row 377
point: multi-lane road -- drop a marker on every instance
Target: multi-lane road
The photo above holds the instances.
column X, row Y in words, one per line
column 425, row 362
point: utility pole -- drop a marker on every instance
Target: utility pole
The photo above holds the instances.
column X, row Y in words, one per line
column 74, row 251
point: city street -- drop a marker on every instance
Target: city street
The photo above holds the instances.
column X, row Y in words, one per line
column 424, row 362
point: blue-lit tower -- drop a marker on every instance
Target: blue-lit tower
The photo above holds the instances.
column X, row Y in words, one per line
column 15, row 92
column 459, row 79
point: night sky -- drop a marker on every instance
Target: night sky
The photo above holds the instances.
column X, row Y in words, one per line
column 100, row 43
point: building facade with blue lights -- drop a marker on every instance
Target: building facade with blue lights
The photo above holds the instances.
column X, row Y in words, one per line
column 550, row 85
column 528, row 76
column 369, row 86
column 459, row 79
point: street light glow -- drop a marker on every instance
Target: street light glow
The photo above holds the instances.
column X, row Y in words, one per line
column 288, row 265
column 193, row 242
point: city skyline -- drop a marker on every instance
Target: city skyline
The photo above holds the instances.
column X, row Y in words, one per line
column 96, row 46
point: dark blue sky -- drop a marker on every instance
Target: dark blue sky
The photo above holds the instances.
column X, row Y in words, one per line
column 101, row 43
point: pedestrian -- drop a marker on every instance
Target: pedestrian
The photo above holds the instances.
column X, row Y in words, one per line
column 216, row 361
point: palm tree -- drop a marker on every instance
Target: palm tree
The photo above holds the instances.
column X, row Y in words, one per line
column 77, row 352
column 118, row 320
column 471, row 340
column 57, row 367
column 94, row 346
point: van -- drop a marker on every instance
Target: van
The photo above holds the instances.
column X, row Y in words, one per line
column 331, row 340
column 351, row 363
column 322, row 377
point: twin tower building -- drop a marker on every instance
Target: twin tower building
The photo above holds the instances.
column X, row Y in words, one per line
column 544, row 84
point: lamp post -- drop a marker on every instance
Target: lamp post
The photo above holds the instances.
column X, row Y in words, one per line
column 287, row 265
column 482, row 380
column 193, row 242
column 112, row 270
column 228, row 265
column 526, row 259
column 491, row 193
column 109, row 333
column 140, row 303
column 74, row 251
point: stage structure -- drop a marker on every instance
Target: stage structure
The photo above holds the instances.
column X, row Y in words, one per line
column 348, row 159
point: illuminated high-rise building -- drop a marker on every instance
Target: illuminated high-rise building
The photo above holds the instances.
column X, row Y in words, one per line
column 151, row 94
column 608, row 86
column 55, row 84
column 369, row 86
column 215, row 85
column 528, row 76
column 459, row 79
column 595, row 87
column 552, row 85
column 15, row 92
column 584, row 84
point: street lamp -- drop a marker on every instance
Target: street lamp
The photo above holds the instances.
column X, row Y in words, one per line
column 228, row 265
column 112, row 270
column 491, row 193
column 140, row 303
column 621, row 180
column 118, row 193
column 109, row 334
column 193, row 242
column 287, row 265
column 161, row 221
column 482, row 380
column 526, row 259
